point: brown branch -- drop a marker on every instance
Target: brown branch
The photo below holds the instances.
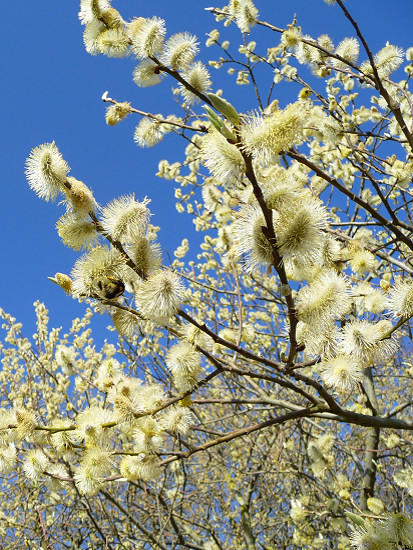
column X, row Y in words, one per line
column 355, row 198
column 395, row 109
column 278, row 263
column 137, row 524
column 242, row 432
column 372, row 443
column 156, row 118
column 279, row 381
column 45, row 538
column 182, row 81
column 218, row 340
column 116, row 244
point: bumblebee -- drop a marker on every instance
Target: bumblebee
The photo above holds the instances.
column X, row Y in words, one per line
column 110, row 288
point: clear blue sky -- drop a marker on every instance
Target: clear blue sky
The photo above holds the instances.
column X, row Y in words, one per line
column 51, row 91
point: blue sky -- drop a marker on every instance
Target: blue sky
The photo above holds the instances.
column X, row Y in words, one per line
column 51, row 91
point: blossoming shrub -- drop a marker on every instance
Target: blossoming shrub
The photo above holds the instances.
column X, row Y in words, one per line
column 260, row 392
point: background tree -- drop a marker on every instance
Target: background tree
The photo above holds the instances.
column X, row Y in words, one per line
column 260, row 390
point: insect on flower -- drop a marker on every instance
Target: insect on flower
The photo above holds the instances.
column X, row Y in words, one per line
column 110, row 288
